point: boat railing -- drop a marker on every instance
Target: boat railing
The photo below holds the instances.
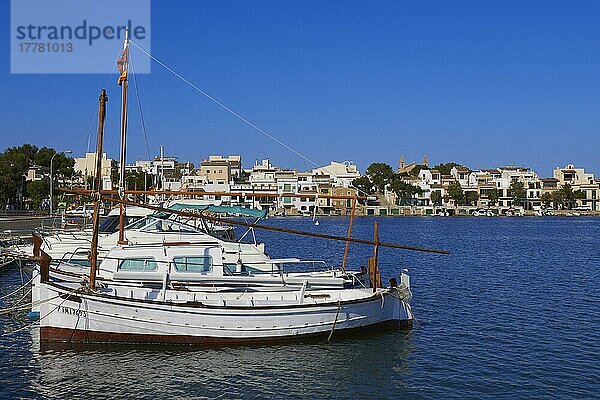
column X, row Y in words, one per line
column 71, row 254
column 284, row 266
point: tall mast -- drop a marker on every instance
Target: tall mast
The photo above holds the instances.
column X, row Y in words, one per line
column 98, row 178
column 123, row 66
column 162, row 167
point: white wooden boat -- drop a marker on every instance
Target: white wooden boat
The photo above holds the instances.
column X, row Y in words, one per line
column 129, row 314
column 174, row 295
column 205, row 290
column 74, row 245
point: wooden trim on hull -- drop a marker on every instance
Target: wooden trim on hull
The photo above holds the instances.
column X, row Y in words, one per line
column 105, row 298
column 64, row 335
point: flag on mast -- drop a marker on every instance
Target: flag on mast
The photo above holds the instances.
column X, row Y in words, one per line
column 122, row 64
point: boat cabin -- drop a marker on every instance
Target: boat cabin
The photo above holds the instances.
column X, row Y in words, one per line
column 208, row 263
column 153, row 263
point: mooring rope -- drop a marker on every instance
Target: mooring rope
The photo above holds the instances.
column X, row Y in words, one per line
column 15, row 291
column 337, row 314
column 20, row 307
column 45, row 316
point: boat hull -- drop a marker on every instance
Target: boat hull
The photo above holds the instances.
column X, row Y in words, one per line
column 64, row 335
column 91, row 318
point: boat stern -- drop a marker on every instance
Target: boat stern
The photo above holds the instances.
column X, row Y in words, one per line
column 403, row 293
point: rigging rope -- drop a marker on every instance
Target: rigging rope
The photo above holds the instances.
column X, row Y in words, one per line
column 95, row 118
column 225, row 107
column 139, row 103
column 18, row 306
column 231, row 111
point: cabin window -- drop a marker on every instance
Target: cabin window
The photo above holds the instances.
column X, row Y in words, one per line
column 110, row 224
column 138, row 264
column 193, row 264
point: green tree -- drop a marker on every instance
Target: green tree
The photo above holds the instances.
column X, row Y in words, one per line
column 578, row 195
column 517, row 191
column 404, row 190
column 548, row 198
column 38, row 191
column 138, row 180
column 62, row 165
column 445, row 168
column 364, row 184
column 493, row 197
column 436, row 198
column 471, row 198
column 376, row 178
column 416, row 169
column 456, row 193
column 380, row 175
column 14, row 163
column 559, row 198
column 569, row 196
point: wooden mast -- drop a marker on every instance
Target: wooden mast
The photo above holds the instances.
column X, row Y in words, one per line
column 374, row 275
column 349, row 234
column 98, row 180
column 123, row 156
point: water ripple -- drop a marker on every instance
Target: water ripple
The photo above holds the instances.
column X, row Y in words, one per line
column 512, row 313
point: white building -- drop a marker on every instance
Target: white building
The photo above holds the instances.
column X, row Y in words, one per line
column 287, row 183
column 86, row 166
column 578, row 179
column 525, row 175
column 342, row 174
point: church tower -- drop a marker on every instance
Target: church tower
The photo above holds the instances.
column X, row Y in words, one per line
column 425, row 161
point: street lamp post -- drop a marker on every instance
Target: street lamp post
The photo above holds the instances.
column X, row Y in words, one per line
column 51, row 164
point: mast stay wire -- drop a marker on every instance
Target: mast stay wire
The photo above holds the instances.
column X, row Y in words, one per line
column 231, row 111
column 139, row 104
column 95, row 116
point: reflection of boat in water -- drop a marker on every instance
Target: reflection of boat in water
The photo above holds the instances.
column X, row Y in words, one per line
column 245, row 371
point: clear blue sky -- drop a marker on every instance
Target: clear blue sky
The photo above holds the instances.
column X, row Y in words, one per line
column 481, row 83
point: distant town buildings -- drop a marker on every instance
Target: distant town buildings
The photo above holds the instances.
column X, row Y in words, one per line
column 578, row 179
column 86, row 165
column 452, row 188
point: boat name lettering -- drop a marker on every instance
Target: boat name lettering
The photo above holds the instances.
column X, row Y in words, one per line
column 72, row 311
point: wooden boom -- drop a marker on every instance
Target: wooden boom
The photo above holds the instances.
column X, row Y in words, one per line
column 271, row 228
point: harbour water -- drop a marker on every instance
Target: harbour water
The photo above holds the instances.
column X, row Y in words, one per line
column 513, row 312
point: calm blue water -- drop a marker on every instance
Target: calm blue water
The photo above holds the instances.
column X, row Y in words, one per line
column 514, row 312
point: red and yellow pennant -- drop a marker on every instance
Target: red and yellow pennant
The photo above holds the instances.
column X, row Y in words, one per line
column 122, row 64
